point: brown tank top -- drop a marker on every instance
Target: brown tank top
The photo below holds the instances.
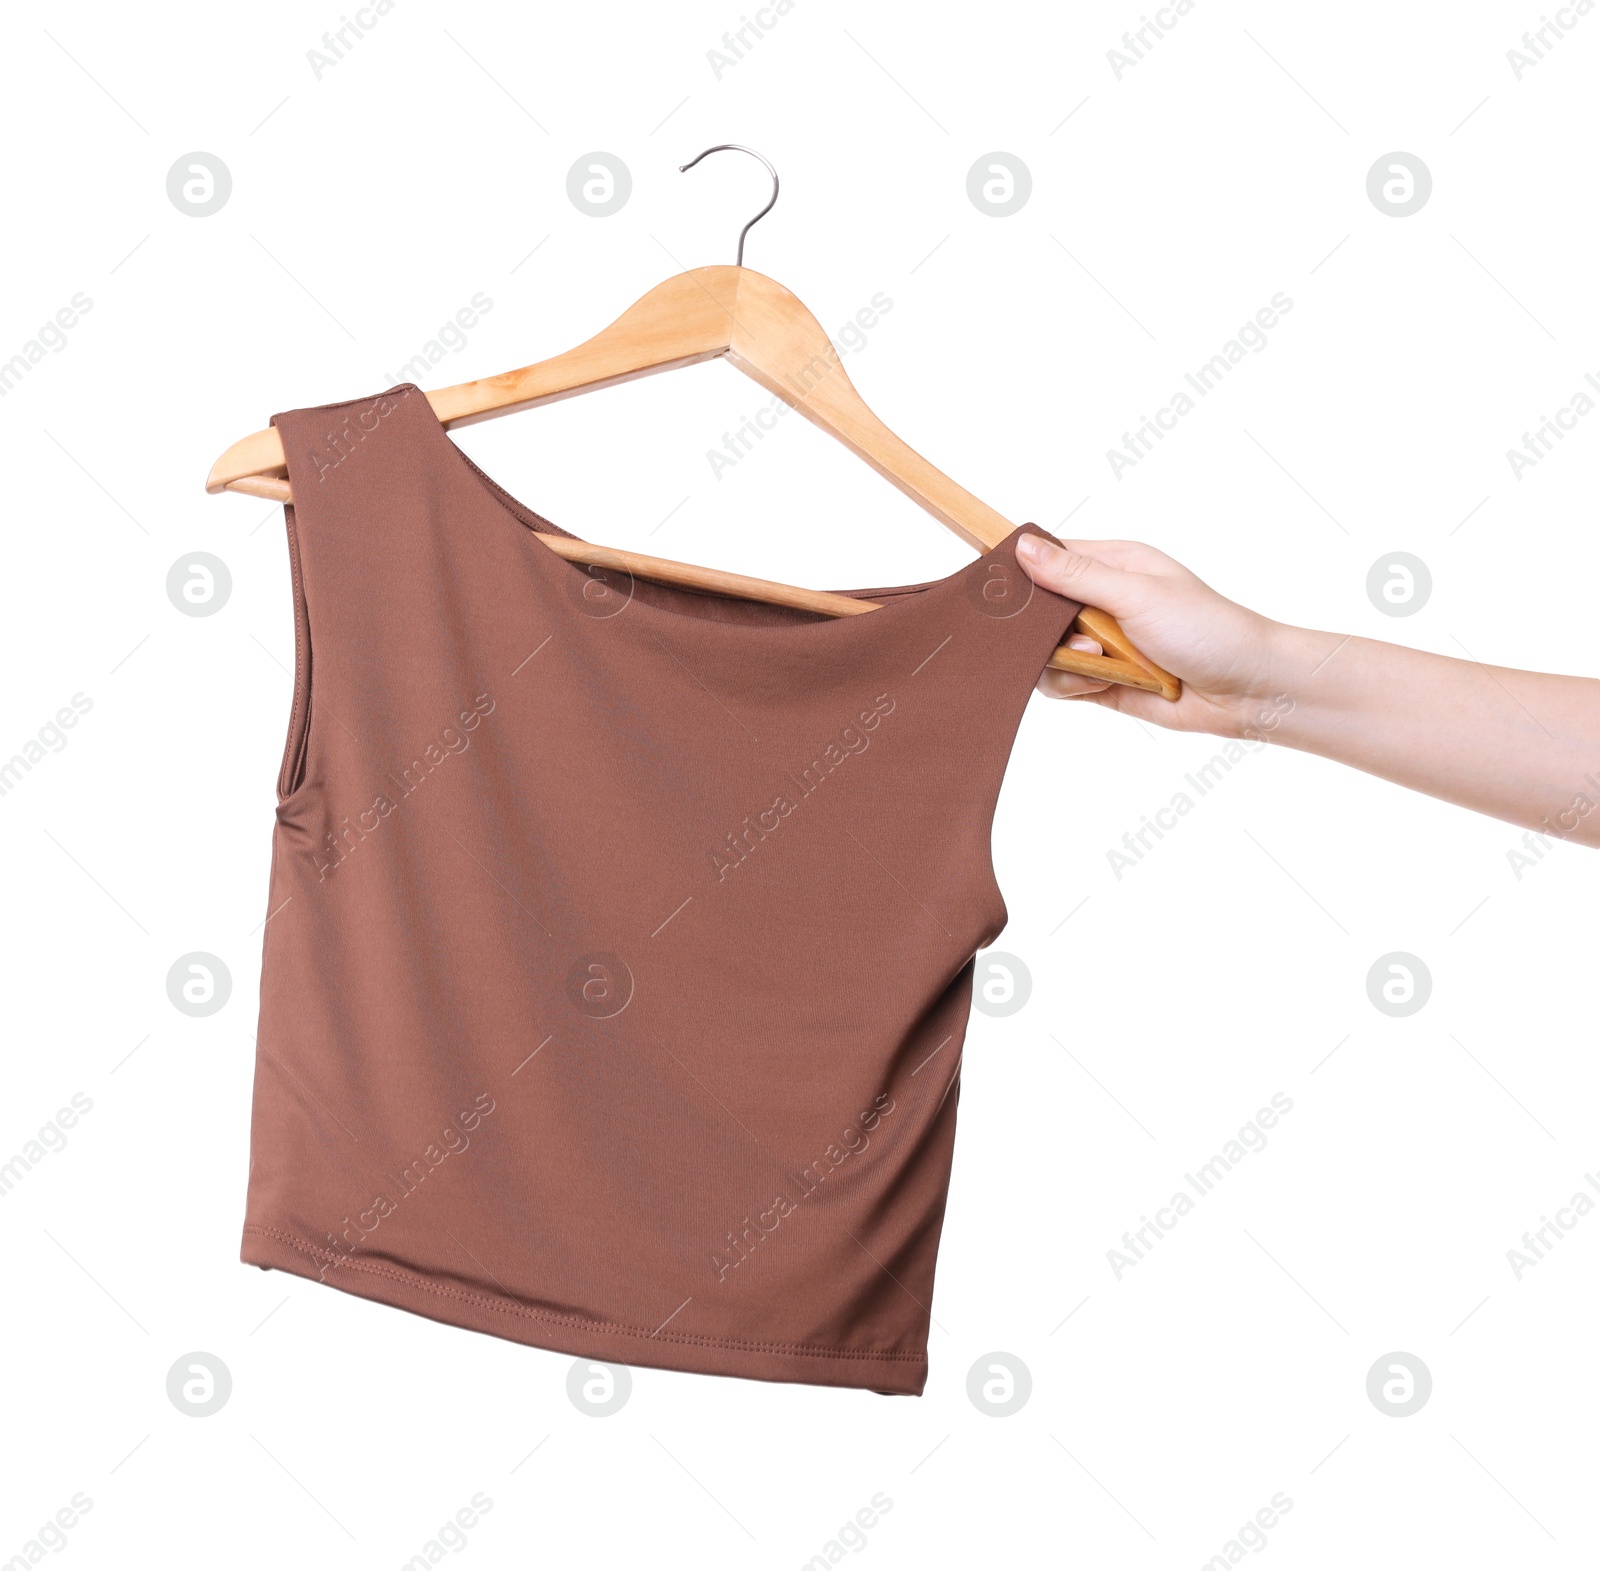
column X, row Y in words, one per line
column 621, row 936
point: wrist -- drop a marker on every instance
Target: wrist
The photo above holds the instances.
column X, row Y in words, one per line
column 1279, row 682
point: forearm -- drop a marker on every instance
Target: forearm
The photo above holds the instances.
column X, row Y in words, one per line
column 1518, row 745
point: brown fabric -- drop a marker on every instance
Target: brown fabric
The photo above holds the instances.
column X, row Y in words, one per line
column 621, row 937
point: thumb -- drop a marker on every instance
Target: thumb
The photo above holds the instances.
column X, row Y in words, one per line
column 1073, row 575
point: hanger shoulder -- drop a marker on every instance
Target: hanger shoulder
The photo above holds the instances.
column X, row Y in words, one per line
column 685, row 319
column 780, row 344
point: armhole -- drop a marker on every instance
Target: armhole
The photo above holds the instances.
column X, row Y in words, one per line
column 1006, row 741
column 291, row 773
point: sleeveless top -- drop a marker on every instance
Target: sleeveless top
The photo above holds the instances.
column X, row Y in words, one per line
column 621, row 937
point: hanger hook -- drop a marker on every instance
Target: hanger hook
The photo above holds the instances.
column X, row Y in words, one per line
column 734, row 147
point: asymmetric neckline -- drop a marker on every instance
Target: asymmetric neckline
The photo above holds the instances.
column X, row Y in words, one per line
column 506, row 505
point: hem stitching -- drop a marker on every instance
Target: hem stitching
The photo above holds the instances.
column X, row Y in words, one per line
column 416, row 1279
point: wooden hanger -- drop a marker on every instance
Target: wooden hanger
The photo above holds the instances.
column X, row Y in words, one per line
column 763, row 330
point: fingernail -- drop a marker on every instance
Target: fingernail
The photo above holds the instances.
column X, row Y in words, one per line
column 1031, row 547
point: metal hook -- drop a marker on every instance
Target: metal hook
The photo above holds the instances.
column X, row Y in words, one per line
column 734, row 147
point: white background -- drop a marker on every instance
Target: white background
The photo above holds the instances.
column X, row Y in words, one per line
column 1167, row 207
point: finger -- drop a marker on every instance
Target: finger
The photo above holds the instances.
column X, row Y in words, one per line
column 1067, row 684
column 1073, row 684
column 1073, row 574
column 1137, row 705
column 1132, row 556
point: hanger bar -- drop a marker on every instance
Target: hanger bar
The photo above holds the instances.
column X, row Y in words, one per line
column 764, row 331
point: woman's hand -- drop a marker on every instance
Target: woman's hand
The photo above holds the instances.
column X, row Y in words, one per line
column 1220, row 651
column 1520, row 745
